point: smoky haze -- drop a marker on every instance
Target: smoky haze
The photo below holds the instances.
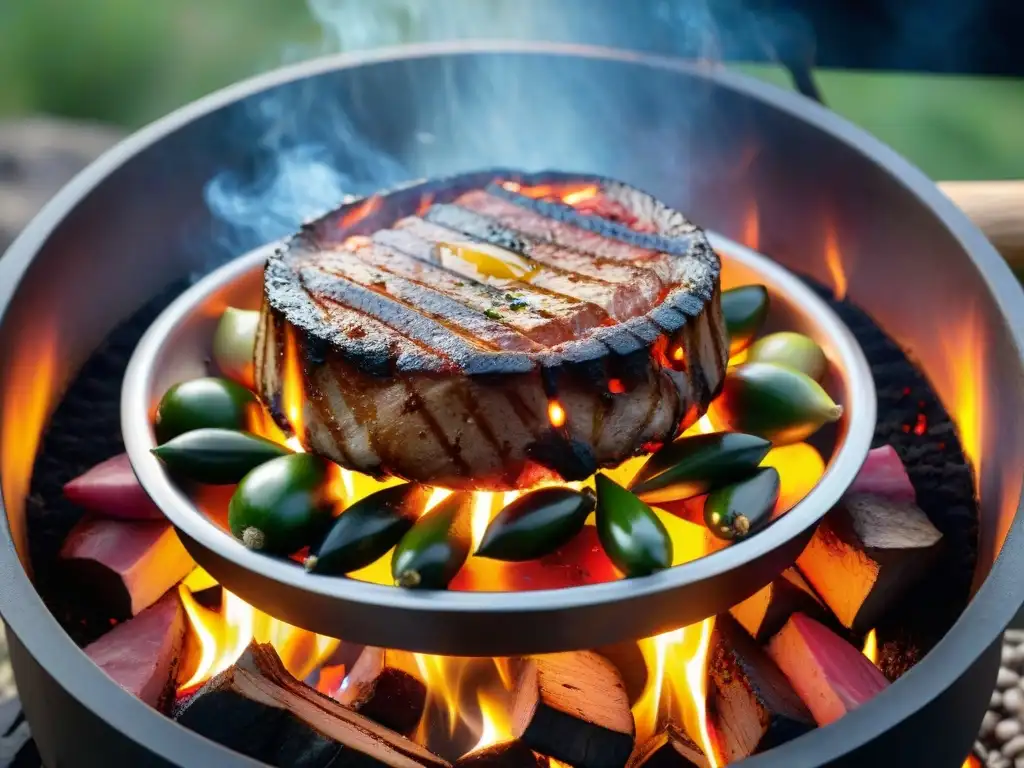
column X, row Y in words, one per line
column 312, row 154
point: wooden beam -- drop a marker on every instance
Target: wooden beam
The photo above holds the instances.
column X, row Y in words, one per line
column 573, row 707
column 866, row 554
column 829, row 674
column 255, row 707
column 751, row 705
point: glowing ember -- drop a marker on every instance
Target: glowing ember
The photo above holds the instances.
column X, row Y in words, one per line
column 360, row 212
column 425, row 202
column 578, row 196
column 556, row 414
column 678, row 353
column 616, row 387
column 971, row 762
column 871, row 647
column 834, row 262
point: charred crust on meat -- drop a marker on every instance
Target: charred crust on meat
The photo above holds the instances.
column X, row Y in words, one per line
column 383, row 313
column 571, row 459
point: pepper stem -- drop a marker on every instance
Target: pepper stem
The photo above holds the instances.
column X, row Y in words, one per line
column 741, row 525
column 310, row 563
column 254, row 538
column 408, row 579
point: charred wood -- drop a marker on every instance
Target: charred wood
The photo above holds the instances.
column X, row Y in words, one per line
column 573, row 707
column 257, row 708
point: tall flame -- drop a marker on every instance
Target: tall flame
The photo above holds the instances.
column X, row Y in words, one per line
column 677, row 685
column 870, row 649
column 222, row 636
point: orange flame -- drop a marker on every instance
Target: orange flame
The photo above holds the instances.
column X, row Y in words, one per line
column 834, row 262
column 800, row 467
column 578, row 196
column 870, row 649
column 359, row 212
column 496, row 721
column 972, row 761
column 572, row 194
column 677, row 685
column 556, row 414
column 293, row 387
column 220, row 637
column 425, row 202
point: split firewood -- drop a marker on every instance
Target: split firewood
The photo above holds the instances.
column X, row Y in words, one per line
column 631, row 665
column 883, row 474
column 383, row 687
column 508, row 754
column 123, row 566
column 573, row 707
column 142, row 654
column 670, row 748
column 110, row 489
column 829, row 674
column 866, row 554
column 751, row 705
column 764, row 612
column 255, row 707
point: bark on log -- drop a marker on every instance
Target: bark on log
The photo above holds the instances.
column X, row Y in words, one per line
column 751, row 705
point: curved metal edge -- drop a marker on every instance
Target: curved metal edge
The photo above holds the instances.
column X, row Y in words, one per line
column 994, row 604
column 138, row 437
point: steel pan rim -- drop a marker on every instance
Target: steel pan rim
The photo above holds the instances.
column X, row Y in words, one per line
column 980, row 625
column 350, row 595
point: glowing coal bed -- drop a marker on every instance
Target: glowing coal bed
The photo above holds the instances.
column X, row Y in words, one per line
column 862, row 603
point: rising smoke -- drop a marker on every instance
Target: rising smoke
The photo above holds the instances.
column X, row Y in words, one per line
column 312, row 153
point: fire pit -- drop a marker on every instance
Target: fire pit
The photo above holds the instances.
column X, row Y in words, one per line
column 756, row 164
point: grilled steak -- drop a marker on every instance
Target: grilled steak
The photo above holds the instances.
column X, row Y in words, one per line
column 492, row 330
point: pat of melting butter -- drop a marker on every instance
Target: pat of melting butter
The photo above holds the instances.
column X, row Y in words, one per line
column 481, row 261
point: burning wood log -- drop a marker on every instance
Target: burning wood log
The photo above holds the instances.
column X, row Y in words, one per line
column 829, row 674
column 866, row 554
column 751, row 705
column 573, row 707
column 141, row 655
column 257, row 708
column 763, row 613
column 123, row 566
column 508, row 754
column 382, row 687
column 883, row 474
column 671, row 748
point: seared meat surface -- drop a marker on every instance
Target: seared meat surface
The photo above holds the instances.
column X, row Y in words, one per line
column 491, row 340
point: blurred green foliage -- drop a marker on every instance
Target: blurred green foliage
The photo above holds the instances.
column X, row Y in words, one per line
column 129, row 61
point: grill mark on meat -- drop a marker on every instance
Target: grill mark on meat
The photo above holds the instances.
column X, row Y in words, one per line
column 454, row 452
column 480, row 420
column 632, row 290
column 453, row 314
column 652, row 408
column 327, row 418
column 407, row 238
column 535, row 322
column 552, row 280
column 413, row 325
column 567, row 235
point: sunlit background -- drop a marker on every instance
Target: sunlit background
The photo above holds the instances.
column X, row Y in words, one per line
column 126, row 62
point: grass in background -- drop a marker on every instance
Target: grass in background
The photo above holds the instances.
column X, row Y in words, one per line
column 127, row 62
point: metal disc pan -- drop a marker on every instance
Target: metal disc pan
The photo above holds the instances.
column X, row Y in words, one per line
column 177, row 347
